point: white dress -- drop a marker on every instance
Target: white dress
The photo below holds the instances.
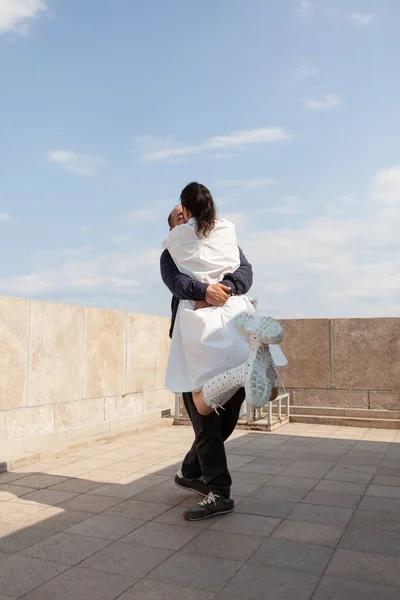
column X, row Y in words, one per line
column 205, row 342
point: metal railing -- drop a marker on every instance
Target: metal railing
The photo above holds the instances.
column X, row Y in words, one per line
column 270, row 416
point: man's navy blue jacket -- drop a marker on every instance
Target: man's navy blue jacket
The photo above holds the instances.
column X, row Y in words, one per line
column 182, row 287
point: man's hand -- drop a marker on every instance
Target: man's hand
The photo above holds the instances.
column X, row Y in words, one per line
column 201, row 304
column 216, row 294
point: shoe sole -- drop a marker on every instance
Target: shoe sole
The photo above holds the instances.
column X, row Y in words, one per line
column 221, row 512
column 189, row 489
column 260, row 380
column 266, row 329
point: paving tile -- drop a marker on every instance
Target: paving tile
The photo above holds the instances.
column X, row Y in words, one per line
column 235, row 462
column 70, row 470
column 356, row 473
column 267, row 583
column 130, row 560
column 65, row 548
column 361, row 460
column 82, row 584
column 105, row 476
column 59, row 522
column 301, row 483
column 163, row 494
column 386, row 480
column 142, row 479
column 274, row 461
column 245, row 450
column 151, row 590
column 3, row 555
column 327, row 457
column 388, row 471
column 365, row 566
column 314, row 513
column 107, row 527
column 90, row 503
column 376, row 520
column 310, row 469
column 380, row 504
column 313, row 533
column 279, row 509
column 274, row 493
column 252, row 478
column 21, row 574
column 383, row 491
column 174, row 516
column 9, row 477
column 285, row 451
column 161, row 535
column 244, row 489
column 49, row 497
column 367, row 540
column 340, row 487
column 124, row 492
column 391, row 462
column 75, row 485
column 333, row 588
column 13, row 539
column 262, row 469
column 40, row 480
column 132, row 509
column 224, row 545
column 207, row 573
column 12, row 491
column 298, row 556
column 332, row 499
column 246, row 524
column 14, row 512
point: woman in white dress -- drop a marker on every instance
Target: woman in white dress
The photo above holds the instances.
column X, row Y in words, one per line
column 216, row 350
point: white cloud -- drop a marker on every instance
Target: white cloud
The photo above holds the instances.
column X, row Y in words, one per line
column 141, row 215
column 154, row 149
column 327, row 102
column 305, row 7
column 83, row 228
column 305, row 71
column 289, row 205
column 6, row 217
column 15, row 15
column 120, row 239
column 362, row 18
column 245, row 184
column 80, row 164
column 333, row 265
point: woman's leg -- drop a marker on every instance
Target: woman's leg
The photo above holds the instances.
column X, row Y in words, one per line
column 202, row 408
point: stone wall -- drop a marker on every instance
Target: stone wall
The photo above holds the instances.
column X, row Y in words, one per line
column 70, row 374
column 349, row 363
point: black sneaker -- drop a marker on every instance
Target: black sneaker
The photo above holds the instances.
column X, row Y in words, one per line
column 194, row 485
column 211, row 506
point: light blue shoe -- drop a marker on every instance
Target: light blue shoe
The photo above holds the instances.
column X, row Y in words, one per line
column 261, row 376
column 266, row 330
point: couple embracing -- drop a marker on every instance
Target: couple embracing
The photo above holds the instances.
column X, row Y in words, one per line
column 221, row 352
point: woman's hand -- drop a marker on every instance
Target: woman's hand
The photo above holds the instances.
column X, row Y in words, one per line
column 217, row 294
column 201, row 304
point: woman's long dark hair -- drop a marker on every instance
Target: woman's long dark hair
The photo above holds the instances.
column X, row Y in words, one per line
column 197, row 199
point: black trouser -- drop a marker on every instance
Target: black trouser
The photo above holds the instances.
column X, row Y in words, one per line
column 207, row 455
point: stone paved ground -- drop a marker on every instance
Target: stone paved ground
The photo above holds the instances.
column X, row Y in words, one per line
column 318, row 516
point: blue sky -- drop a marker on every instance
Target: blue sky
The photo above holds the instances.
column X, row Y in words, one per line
column 287, row 109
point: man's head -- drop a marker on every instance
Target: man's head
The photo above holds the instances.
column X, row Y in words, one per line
column 176, row 217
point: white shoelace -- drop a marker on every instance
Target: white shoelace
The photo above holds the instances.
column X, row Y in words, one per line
column 210, row 499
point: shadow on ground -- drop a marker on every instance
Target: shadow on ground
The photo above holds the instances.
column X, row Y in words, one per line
column 317, row 516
